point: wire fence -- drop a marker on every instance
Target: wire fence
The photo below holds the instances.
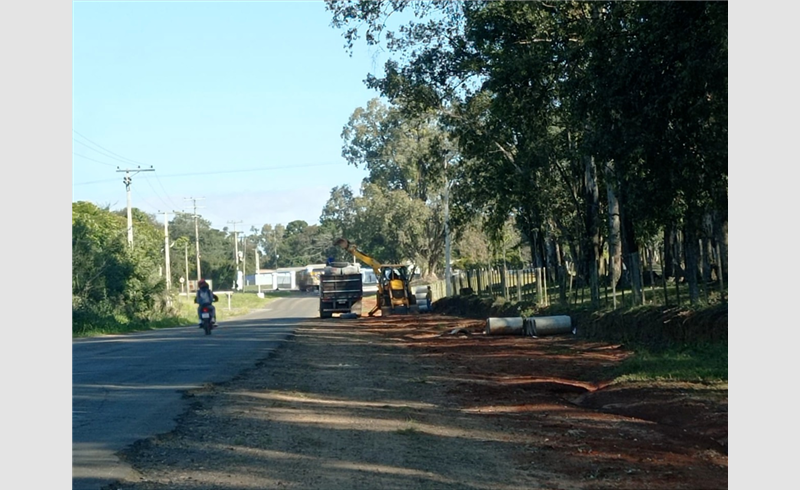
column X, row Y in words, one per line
column 563, row 285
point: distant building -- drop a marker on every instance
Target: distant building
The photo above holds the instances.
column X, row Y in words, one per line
column 282, row 278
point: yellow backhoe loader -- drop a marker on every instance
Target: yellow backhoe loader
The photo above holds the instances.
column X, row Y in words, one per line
column 394, row 283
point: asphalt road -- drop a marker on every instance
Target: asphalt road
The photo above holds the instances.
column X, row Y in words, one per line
column 129, row 387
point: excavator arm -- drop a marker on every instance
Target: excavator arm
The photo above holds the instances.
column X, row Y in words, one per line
column 352, row 249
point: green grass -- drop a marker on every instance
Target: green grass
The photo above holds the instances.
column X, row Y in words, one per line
column 240, row 304
column 695, row 364
column 709, row 294
column 185, row 313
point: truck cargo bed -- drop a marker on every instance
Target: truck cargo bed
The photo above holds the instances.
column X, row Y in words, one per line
column 339, row 293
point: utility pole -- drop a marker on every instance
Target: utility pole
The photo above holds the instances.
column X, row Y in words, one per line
column 166, row 251
column 186, row 264
column 275, row 242
column 255, row 274
column 236, row 255
column 244, row 261
column 196, row 233
column 185, row 258
column 127, row 181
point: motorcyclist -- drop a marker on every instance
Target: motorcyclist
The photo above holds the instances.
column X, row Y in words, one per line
column 205, row 297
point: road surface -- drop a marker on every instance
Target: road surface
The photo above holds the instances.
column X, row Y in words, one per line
column 129, row 387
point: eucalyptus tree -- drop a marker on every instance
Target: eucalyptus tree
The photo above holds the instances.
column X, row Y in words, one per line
column 393, row 227
column 660, row 74
column 621, row 105
column 470, row 246
column 522, row 132
column 406, row 156
column 426, row 77
column 398, row 150
column 268, row 240
column 338, row 214
column 337, row 219
column 496, row 95
column 301, row 245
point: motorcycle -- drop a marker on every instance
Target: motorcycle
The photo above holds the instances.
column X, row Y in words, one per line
column 206, row 312
column 205, row 318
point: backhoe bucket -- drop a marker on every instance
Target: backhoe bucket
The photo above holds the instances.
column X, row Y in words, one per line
column 342, row 242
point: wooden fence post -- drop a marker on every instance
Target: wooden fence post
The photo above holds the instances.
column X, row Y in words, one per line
column 664, row 274
column 544, row 286
column 719, row 274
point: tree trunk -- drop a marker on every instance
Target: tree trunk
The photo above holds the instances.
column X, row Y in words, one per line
column 635, row 273
column 668, row 261
column 707, row 248
column 721, row 239
column 664, row 269
column 692, row 252
column 614, row 242
column 592, row 230
column 562, row 275
column 631, row 257
column 504, row 280
column 551, row 261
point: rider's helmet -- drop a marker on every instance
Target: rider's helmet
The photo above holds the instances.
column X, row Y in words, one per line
column 202, row 283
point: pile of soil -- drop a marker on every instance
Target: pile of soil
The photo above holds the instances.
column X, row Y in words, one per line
column 430, row 402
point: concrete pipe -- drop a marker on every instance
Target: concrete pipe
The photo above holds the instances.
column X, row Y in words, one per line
column 548, row 325
column 504, row 326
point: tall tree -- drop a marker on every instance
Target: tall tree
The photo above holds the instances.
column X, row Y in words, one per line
column 624, row 102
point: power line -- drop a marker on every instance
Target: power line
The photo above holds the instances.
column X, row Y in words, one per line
column 123, row 160
column 258, row 169
column 105, row 181
column 165, row 191
column 127, row 160
column 92, row 159
column 155, row 192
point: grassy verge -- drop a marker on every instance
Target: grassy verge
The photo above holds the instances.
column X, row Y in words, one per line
column 706, row 364
column 183, row 313
column 240, row 304
column 667, row 343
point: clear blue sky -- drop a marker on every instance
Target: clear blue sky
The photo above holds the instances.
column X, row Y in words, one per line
column 239, row 103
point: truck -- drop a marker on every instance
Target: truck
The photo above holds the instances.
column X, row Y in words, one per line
column 308, row 278
column 340, row 290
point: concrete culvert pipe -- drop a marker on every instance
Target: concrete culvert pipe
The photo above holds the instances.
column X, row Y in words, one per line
column 504, row 326
column 540, row 326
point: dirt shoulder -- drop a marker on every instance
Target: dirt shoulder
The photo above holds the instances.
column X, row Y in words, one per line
column 400, row 403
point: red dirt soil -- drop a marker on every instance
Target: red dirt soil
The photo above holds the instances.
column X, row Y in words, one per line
column 621, row 436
